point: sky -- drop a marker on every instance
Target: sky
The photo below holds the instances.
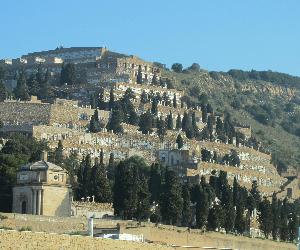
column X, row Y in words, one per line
column 218, row 34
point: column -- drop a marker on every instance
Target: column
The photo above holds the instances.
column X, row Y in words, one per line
column 39, row 201
column 33, row 201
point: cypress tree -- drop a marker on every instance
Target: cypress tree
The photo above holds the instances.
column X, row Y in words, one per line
column 179, row 141
column 170, row 121
column 3, row 91
column 144, row 97
column 155, row 182
column 178, row 122
column 204, row 113
column 100, row 101
column 276, row 217
column 21, row 91
column 174, row 101
column 111, row 99
column 186, row 209
column 145, row 123
column 171, row 199
column 154, row 109
column 95, row 126
column 116, row 119
column 215, row 217
column 202, row 208
column 161, row 128
column 265, row 217
column 58, row 153
column 139, row 77
column 143, row 204
column 100, row 187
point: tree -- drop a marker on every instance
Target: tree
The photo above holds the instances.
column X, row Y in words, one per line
column 171, row 200
column 144, row 97
column 161, row 128
column 95, row 126
column 154, row 80
column 240, row 220
column 204, row 113
column 154, row 109
column 111, row 99
column 100, row 187
column 170, row 121
column 194, row 67
column 179, row 141
column 116, row 119
column 219, row 126
column 177, row 67
column 44, row 90
column 100, row 100
column 58, row 153
column 33, row 85
column 83, row 176
column 210, row 125
column 255, row 193
column 174, row 101
column 178, row 122
column 130, row 191
column 68, row 74
column 145, row 124
column 215, row 217
column 155, row 181
column 202, row 207
column 186, row 208
column 276, row 217
column 3, row 91
column 143, row 195
column 111, row 167
column 139, row 77
column 21, row 91
column 265, row 217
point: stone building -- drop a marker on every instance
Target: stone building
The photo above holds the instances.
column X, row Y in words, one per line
column 42, row 189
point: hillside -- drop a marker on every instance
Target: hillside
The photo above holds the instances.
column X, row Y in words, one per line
column 270, row 104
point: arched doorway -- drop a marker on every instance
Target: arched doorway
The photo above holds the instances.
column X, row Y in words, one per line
column 24, row 210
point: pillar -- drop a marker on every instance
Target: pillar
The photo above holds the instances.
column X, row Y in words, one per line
column 33, row 201
column 39, row 201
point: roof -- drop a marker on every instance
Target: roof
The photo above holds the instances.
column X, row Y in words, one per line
column 41, row 165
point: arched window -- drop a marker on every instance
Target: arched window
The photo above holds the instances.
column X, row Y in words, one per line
column 24, row 210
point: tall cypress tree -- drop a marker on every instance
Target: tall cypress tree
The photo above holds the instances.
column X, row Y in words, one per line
column 174, row 101
column 95, row 126
column 3, row 91
column 170, row 121
column 139, row 77
column 116, row 119
column 186, row 208
column 145, row 123
column 276, row 217
column 265, row 217
column 171, row 199
column 111, row 99
column 179, row 141
column 155, row 181
column 161, row 128
column 21, row 91
column 100, row 187
column 202, row 207
column 178, row 122
column 58, row 153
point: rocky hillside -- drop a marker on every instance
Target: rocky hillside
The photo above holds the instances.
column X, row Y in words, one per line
column 268, row 101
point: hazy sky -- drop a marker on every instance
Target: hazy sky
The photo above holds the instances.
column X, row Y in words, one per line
column 218, row 34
